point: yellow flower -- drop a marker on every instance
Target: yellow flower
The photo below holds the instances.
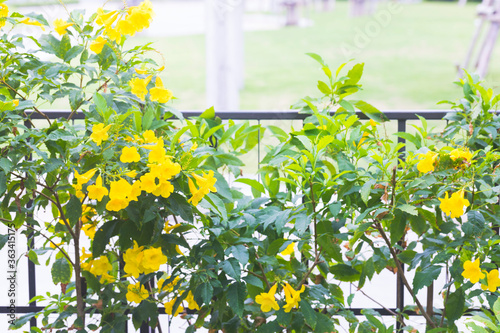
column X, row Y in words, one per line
column 112, row 34
column 131, row 174
column 98, row 44
column 164, row 189
column 60, row 26
column 28, row 21
column 157, row 153
column 120, row 189
column 129, row 155
column 152, row 260
column 292, row 297
column 97, row 191
column 169, row 307
column 136, row 190
column 191, row 302
column 89, row 230
column 289, row 249
column 99, row 133
column 373, row 123
column 84, row 178
column 267, row 300
column 472, row 271
column 159, row 93
column 170, row 286
column 206, row 184
column 15, row 102
column 168, row 228
column 4, row 10
column 136, row 293
column 148, row 182
column 457, row 153
column 106, row 19
column 149, row 136
column 139, row 87
column 454, row 206
column 115, row 205
column 141, row 71
column 132, row 258
column 493, row 281
column 100, row 266
column 427, row 160
column 363, row 138
column 166, row 169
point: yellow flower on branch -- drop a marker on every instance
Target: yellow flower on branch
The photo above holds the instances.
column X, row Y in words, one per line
column 152, row 260
column 148, row 182
column 89, row 230
column 129, row 155
column 472, row 271
column 4, row 12
column 84, row 178
column 28, row 21
column 169, row 228
column 97, row 191
column 169, row 286
column 454, row 206
column 267, row 300
column 292, row 297
column 139, row 87
column 98, row 44
column 191, row 302
column 100, row 266
column 60, row 26
column 136, row 293
column 493, row 281
column 15, row 102
column 159, row 93
column 427, row 161
column 169, row 308
column 99, row 133
column 105, row 19
column 289, row 249
column 132, row 258
column 455, row 154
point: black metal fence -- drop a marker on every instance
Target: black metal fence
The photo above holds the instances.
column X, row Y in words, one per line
column 400, row 116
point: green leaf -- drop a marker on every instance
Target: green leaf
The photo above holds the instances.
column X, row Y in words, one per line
column 232, row 268
column 61, row 271
column 253, row 183
column 366, row 190
column 254, row 281
column 5, row 164
column 425, row 277
column 308, row 312
column 103, row 235
column 203, row 293
column 73, row 210
column 324, row 88
column 33, row 257
column 398, row 226
column 371, row 112
column 412, row 210
column 324, row 324
column 73, row 53
column 236, row 294
column 240, row 252
column 455, row 305
column 355, row 74
column 343, row 272
column 317, row 58
column 3, row 240
column 208, row 113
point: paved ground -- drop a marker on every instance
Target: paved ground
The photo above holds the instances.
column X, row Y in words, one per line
column 176, row 17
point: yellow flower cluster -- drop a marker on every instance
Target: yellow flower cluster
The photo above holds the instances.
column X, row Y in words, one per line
column 156, row 181
column 128, row 22
column 136, row 293
column 427, row 161
column 473, row 272
column 60, row 26
column 454, row 206
column 139, row 260
column 4, row 12
column 267, row 300
column 205, row 183
column 98, row 267
column 157, row 94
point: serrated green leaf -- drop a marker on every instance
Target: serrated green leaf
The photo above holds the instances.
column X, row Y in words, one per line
column 412, row 210
column 236, row 295
column 73, row 210
column 455, row 305
column 425, row 277
column 203, row 293
column 61, row 271
column 232, row 268
column 308, row 312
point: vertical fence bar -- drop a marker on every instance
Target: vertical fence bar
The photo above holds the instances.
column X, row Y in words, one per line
column 400, row 289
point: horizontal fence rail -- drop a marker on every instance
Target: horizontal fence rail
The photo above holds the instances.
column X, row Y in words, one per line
column 402, row 116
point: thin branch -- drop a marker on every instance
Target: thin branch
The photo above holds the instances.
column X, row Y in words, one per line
column 57, row 246
column 263, row 273
column 313, row 201
column 373, row 300
column 315, row 263
column 378, row 226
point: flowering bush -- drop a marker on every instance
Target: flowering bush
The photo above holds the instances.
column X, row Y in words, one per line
column 142, row 218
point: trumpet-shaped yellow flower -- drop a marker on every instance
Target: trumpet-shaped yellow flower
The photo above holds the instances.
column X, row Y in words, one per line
column 289, row 249
column 113, row 34
column 15, row 102
column 131, row 174
column 120, row 189
column 169, row 286
column 132, row 258
column 84, row 178
column 458, row 153
column 454, row 206
column 149, row 136
column 493, row 281
column 129, row 155
column 100, row 266
column 106, row 19
column 136, row 293
column 164, row 189
column 98, row 44
column 139, row 87
column 28, row 21
column 472, row 271
column 148, row 182
column 60, row 26
column 169, row 228
column 152, row 259
column 169, row 308
column 206, row 184
column 159, row 93
column 97, row 191
column 89, row 230
column 292, row 297
column 99, row 133
column 4, row 12
column 115, row 205
column 427, row 161
column 267, row 300
column 157, row 153
column 373, row 123
column 191, row 302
